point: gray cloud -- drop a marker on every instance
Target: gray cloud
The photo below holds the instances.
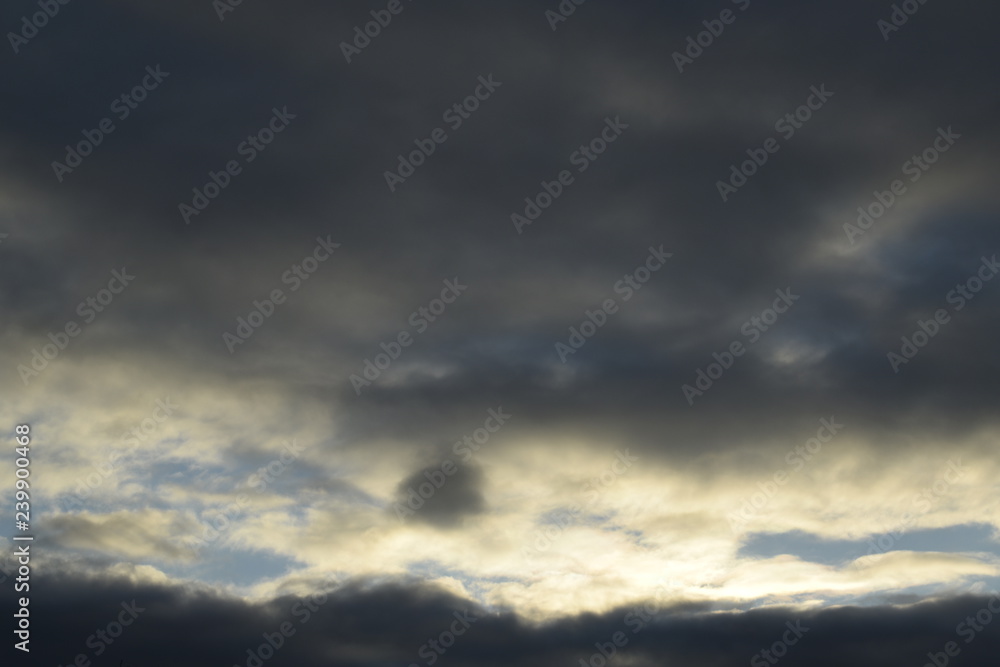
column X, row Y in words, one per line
column 656, row 184
column 442, row 495
column 362, row 625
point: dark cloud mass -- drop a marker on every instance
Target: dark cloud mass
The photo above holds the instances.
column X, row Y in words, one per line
column 698, row 295
column 443, row 495
column 352, row 628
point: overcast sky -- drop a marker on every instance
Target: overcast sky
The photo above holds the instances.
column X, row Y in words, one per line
column 520, row 325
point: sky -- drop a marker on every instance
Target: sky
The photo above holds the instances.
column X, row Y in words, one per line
column 478, row 334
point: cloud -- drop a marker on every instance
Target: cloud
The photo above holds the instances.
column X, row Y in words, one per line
column 443, row 495
column 499, row 533
column 359, row 624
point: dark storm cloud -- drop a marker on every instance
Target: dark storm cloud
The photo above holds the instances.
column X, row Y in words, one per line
column 363, row 625
column 443, row 495
column 324, row 175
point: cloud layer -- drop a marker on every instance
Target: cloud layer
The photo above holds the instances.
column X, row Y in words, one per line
column 740, row 316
